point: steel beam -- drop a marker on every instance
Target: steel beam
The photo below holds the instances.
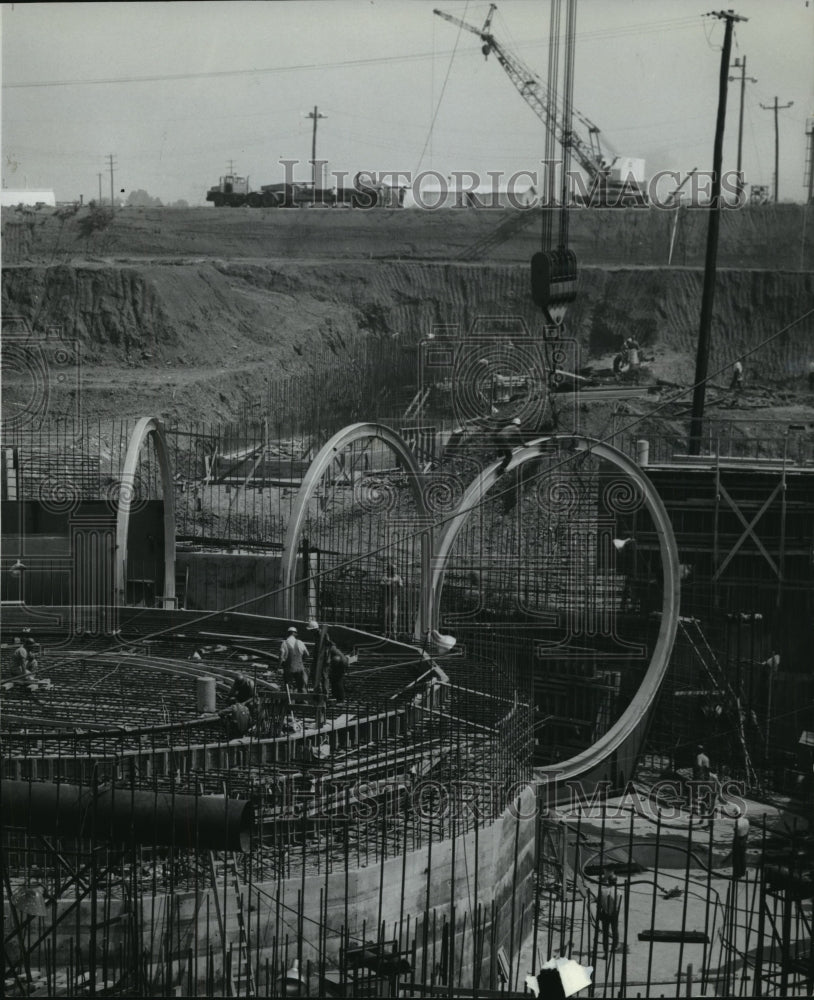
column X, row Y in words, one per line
column 620, row 745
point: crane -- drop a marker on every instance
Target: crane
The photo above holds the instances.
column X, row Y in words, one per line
column 588, row 152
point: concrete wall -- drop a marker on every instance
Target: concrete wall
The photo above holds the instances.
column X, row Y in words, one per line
column 485, row 875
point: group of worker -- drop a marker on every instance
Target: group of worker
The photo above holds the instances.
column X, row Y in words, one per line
column 330, row 663
column 24, row 661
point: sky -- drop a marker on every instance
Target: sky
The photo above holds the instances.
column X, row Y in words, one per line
column 179, row 93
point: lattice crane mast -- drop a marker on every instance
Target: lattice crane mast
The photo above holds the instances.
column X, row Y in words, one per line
column 531, row 89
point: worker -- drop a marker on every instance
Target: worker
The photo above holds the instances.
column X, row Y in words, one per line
column 737, row 376
column 632, row 350
column 322, row 642
column 338, row 665
column 293, row 653
column 627, row 567
column 19, row 659
column 237, row 720
column 242, row 690
column 739, row 843
column 700, row 781
column 608, row 905
column 509, row 438
column 700, row 767
column 391, row 586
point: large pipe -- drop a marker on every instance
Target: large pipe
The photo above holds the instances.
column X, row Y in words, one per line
column 202, row 822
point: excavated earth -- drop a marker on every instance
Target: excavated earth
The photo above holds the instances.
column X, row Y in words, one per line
column 187, row 314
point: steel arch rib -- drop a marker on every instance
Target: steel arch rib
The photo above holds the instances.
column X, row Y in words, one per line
column 145, row 427
column 299, row 511
column 619, row 746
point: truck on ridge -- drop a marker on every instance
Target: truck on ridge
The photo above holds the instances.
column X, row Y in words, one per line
column 233, row 191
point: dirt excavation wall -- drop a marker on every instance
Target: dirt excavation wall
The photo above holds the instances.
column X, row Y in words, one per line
column 191, row 340
column 771, row 236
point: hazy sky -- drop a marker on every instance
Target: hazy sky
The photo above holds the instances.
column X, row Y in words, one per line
column 176, row 90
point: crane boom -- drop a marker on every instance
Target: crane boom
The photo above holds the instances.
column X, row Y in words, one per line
column 531, row 89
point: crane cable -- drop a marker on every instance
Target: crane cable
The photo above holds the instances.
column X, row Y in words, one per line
column 567, row 120
column 440, row 96
column 551, row 123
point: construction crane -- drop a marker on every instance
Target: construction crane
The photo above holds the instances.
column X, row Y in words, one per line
column 588, row 152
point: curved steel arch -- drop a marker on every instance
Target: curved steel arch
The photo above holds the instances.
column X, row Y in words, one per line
column 146, row 426
column 299, row 511
column 617, row 749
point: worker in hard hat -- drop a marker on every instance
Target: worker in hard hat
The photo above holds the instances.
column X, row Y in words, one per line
column 509, row 438
column 607, row 912
column 293, row 653
column 740, row 843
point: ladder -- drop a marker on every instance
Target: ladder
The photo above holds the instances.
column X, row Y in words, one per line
column 708, row 660
column 417, row 404
column 245, row 981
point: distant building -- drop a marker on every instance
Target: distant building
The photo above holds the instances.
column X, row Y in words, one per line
column 9, row 197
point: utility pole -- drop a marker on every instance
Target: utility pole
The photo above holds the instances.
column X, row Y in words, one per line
column 111, row 164
column 316, row 116
column 100, row 189
column 741, row 65
column 702, row 355
column 809, row 177
column 776, row 107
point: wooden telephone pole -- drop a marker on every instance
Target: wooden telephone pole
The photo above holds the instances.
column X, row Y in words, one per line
column 741, row 65
column 316, row 116
column 702, row 355
column 776, row 107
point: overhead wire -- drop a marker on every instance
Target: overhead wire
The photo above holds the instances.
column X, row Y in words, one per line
column 644, row 28
column 440, row 97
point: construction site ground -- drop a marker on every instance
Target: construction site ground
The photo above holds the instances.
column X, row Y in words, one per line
column 189, row 313
column 679, row 894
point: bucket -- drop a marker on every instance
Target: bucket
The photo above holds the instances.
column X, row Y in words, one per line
column 643, row 453
column 205, row 694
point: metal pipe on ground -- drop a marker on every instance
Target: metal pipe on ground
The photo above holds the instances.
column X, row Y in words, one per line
column 202, row 822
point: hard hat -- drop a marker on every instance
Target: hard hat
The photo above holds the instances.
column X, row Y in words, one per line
column 292, row 629
column 313, row 624
column 516, row 420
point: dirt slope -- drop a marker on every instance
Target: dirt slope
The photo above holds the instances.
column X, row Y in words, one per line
column 770, row 236
column 188, row 314
column 216, row 328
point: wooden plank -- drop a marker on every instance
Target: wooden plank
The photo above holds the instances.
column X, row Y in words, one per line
column 674, row 936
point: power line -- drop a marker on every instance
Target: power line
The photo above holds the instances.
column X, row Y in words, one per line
column 646, row 27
